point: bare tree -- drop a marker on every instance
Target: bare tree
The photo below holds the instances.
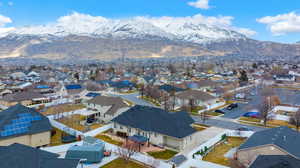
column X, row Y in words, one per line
column 126, row 152
column 264, row 109
column 203, row 116
column 295, row 119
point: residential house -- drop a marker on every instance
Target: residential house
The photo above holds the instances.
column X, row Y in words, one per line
column 159, row 127
column 22, row 156
column 26, row 98
column 274, row 141
column 275, row 161
column 106, row 108
column 198, row 98
column 20, row 124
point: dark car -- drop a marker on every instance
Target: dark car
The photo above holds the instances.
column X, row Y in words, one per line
column 244, row 129
column 220, row 111
column 232, row 106
column 90, row 120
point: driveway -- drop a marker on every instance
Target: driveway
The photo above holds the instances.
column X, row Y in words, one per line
column 227, row 124
column 236, row 112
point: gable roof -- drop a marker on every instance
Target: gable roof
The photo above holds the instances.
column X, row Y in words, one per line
column 170, row 88
column 21, row 96
column 115, row 102
column 275, row 161
column 283, row 137
column 17, row 156
column 157, row 120
column 19, row 120
column 195, row 94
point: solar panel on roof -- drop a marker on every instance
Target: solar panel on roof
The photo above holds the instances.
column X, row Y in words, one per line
column 19, row 125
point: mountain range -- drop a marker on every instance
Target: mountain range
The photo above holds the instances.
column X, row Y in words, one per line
column 134, row 38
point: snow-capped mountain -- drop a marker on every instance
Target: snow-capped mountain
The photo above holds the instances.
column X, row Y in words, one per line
column 104, row 39
column 134, row 28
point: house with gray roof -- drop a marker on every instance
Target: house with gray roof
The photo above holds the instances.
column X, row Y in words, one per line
column 198, row 98
column 275, row 161
column 20, row 124
column 274, row 141
column 22, row 156
column 159, row 127
column 106, row 108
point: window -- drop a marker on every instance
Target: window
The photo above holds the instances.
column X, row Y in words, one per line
column 129, row 130
column 115, row 125
column 121, row 127
column 155, row 134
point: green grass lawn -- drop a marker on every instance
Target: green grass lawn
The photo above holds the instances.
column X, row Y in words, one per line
column 121, row 163
column 165, row 155
column 108, row 139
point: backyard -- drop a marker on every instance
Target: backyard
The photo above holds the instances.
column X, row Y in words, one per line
column 73, row 121
column 121, row 163
column 63, row 108
column 164, row 155
column 56, row 138
column 216, row 155
column 108, row 139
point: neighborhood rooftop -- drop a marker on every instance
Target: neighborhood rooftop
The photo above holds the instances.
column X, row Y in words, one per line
column 157, row 120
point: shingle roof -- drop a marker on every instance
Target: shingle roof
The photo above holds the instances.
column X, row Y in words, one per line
column 195, row 94
column 283, row 137
column 275, row 161
column 36, row 126
column 157, row 120
column 21, row 156
column 21, row 96
column 170, row 88
column 115, row 102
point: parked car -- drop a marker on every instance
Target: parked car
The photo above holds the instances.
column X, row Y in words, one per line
column 232, row 106
column 220, row 111
column 244, row 129
column 90, row 120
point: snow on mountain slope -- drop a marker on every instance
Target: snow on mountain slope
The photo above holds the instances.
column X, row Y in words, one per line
column 78, row 24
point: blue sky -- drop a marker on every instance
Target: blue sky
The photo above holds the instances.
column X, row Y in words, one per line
column 282, row 25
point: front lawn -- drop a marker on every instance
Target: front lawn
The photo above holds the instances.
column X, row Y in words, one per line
column 211, row 113
column 108, row 139
column 165, row 155
column 121, row 163
column 250, row 119
column 151, row 100
column 216, row 155
column 199, row 127
column 270, row 123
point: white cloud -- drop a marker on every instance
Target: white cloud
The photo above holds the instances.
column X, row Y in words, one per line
column 3, row 21
column 10, row 3
column 80, row 18
column 282, row 24
column 201, row 4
